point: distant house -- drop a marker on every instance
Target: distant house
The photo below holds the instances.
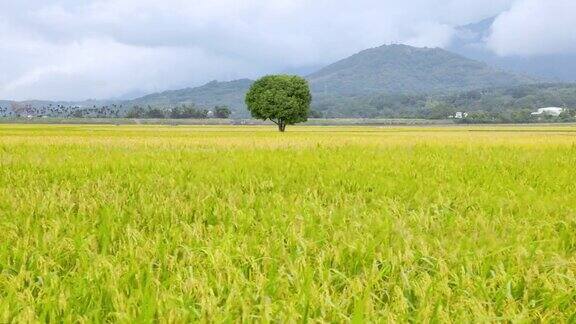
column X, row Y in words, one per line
column 549, row 111
column 459, row 115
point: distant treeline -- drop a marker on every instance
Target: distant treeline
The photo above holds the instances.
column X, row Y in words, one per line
column 184, row 111
column 62, row 111
column 116, row 111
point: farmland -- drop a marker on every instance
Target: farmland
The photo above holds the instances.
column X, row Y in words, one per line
column 215, row 223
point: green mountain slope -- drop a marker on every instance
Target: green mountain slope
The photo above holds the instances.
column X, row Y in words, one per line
column 406, row 69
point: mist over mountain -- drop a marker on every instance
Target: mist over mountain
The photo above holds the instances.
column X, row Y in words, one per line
column 472, row 41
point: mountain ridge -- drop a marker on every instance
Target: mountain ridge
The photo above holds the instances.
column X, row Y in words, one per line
column 383, row 69
column 387, row 69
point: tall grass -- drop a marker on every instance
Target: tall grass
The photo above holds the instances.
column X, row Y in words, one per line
column 176, row 224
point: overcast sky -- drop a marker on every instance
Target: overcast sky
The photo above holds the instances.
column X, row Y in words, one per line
column 79, row 49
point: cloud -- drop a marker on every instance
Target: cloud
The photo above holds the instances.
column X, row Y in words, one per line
column 535, row 27
column 101, row 68
column 77, row 49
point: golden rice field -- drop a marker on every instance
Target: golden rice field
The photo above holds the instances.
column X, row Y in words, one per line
column 140, row 224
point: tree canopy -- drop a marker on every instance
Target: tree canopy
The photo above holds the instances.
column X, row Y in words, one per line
column 283, row 99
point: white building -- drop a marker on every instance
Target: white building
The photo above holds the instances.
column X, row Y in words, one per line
column 549, row 111
column 461, row 115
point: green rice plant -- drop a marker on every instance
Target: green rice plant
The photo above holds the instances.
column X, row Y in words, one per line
column 320, row 224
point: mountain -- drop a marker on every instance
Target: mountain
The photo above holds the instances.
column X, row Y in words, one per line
column 406, row 69
column 345, row 87
column 471, row 41
column 386, row 69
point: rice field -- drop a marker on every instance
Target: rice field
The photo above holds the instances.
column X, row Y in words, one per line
column 138, row 224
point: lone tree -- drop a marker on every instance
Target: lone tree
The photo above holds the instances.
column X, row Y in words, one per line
column 284, row 99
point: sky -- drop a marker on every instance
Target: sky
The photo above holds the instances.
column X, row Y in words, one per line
column 99, row 49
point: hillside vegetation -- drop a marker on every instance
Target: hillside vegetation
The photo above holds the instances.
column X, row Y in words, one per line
column 519, row 101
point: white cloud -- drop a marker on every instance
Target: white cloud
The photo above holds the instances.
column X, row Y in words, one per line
column 535, row 27
column 103, row 68
column 76, row 49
